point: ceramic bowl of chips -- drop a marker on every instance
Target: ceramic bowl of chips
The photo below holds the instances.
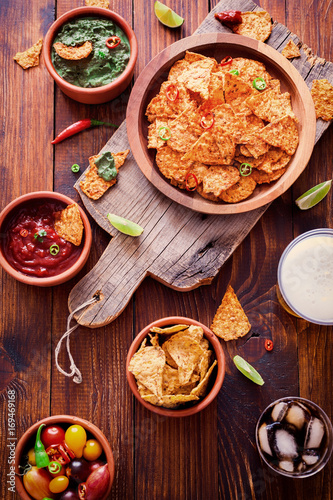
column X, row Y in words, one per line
column 221, row 123
column 175, row 367
column 91, row 52
column 46, row 238
column 63, row 428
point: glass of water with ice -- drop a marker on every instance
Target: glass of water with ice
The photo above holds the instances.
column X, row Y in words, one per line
column 294, row 437
column 305, row 277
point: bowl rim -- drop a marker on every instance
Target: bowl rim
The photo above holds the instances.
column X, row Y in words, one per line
column 69, row 273
column 161, row 62
column 59, row 419
column 79, row 12
column 327, row 423
column 219, row 353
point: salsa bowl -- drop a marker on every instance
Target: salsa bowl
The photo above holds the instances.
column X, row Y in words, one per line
column 216, row 379
column 219, row 46
column 67, row 261
column 104, row 93
column 27, row 442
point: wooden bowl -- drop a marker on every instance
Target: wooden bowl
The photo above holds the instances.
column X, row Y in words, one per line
column 95, row 95
column 69, row 273
column 219, row 45
column 27, row 441
column 219, row 355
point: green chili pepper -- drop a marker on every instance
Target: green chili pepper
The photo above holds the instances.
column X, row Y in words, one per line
column 75, row 168
column 54, row 467
column 54, row 249
column 162, row 131
column 234, row 72
column 245, row 169
column 42, row 458
column 259, row 83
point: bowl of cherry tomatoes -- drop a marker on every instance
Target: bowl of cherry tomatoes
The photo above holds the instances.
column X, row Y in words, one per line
column 64, row 458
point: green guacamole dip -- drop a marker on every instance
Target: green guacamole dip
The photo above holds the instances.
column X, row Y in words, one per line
column 103, row 65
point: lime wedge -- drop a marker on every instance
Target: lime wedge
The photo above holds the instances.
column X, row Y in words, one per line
column 313, row 196
column 125, row 226
column 167, row 16
column 246, row 369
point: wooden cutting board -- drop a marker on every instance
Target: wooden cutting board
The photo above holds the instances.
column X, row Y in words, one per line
column 179, row 247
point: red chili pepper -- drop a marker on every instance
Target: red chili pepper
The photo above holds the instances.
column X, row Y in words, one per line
column 229, row 16
column 269, row 345
column 172, row 92
column 191, row 174
column 60, row 453
column 78, row 127
column 210, row 123
column 113, row 42
column 226, row 60
column 24, row 233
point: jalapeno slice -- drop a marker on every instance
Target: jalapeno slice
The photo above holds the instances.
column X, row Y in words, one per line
column 245, row 169
column 259, row 83
column 164, row 133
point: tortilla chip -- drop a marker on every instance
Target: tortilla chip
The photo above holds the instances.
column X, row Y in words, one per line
column 219, row 179
column 203, row 364
column 171, row 383
column 257, row 146
column 230, row 321
column 177, row 69
column 262, row 177
column 185, row 129
column 215, row 90
column 147, row 366
column 291, row 50
column 270, row 105
column 201, row 389
column 167, row 330
column 282, row 134
column 73, row 53
column 197, row 76
column 186, row 352
column 205, row 150
column 94, row 186
column 154, row 340
column 29, row 57
column 322, row 95
column 199, row 170
column 243, row 188
column 275, row 159
column 68, row 224
column 248, row 69
column 173, row 165
column 160, row 106
column 170, row 400
column 235, row 88
column 232, row 124
column 154, row 140
column 257, row 25
column 104, row 4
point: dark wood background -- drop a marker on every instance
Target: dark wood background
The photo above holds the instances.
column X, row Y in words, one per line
column 211, row 455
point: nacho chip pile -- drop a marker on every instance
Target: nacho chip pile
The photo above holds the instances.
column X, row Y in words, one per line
column 208, row 119
column 175, row 368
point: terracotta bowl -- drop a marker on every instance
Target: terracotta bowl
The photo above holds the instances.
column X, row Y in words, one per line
column 96, row 95
column 218, row 46
column 27, row 441
column 217, row 380
column 52, row 280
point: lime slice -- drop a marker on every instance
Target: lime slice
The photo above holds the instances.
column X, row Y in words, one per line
column 246, row 369
column 125, row 226
column 313, row 196
column 167, row 16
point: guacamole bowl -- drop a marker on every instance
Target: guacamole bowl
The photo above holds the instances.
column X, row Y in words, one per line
column 105, row 69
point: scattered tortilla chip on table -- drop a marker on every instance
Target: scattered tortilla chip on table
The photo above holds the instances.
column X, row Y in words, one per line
column 95, row 186
column 256, row 24
column 291, row 50
column 104, row 4
column 29, row 57
column 230, row 321
column 322, row 95
column 68, row 224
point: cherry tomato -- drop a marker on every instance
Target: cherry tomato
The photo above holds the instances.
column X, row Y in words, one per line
column 52, row 434
column 92, row 450
column 59, row 484
column 31, row 457
column 76, row 438
column 36, row 482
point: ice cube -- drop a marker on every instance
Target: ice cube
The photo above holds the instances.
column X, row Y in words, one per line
column 286, row 465
column 263, row 440
column 301, row 467
column 310, row 457
column 279, row 411
column 314, row 433
column 285, row 445
column 297, row 415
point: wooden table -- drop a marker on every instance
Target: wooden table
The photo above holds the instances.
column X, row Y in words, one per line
column 212, row 454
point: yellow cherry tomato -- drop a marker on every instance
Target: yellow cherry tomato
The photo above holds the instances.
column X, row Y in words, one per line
column 92, row 450
column 31, row 457
column 59, row 484
column 76, row 438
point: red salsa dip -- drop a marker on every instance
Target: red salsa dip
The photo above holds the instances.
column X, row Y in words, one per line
column 29, row 235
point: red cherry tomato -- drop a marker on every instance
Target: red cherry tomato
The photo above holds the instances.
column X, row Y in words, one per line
column 52, row 434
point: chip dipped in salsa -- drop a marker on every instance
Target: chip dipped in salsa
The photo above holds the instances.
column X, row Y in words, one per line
column 31, row 244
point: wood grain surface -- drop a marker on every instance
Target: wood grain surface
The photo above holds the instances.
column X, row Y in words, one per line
column 211, row 455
